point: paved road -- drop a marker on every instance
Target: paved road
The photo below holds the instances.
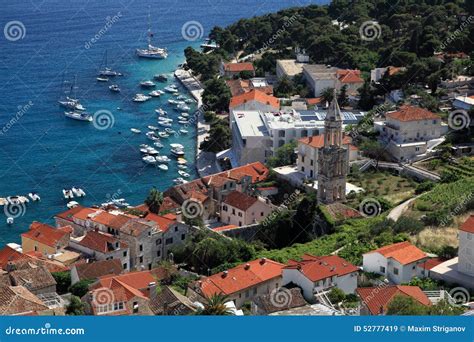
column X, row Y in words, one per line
column 396, row 212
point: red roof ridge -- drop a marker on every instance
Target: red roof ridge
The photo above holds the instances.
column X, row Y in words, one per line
column 468, row 225
column 255, row 95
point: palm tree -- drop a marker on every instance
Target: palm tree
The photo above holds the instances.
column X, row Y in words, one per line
column 327, row 95
column 215, row 306
column 154, row 200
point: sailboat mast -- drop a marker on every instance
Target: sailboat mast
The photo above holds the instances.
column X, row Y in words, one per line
column 149, row 26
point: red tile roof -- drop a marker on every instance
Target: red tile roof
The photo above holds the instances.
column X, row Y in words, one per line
column 403, row 252
column 255, row 95
column 110, row 220
column 132, row 280
column 78, row 212
column 317, row 141
column 430, row 263
column 163, row 221
column 8, row 254
column 317, row 268
column 349, row 76
column 239, row 200
column 378, row 298
column 257, row 171
column 412, row 113
column 241, row 277
column 238, row 67
column 45, row 234
column 100, row 242
column 468, row 226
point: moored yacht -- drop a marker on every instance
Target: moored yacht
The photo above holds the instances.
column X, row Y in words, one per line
column 78, row 116
column 151, row 51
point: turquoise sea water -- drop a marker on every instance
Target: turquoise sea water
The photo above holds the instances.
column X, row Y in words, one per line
column 41, row 150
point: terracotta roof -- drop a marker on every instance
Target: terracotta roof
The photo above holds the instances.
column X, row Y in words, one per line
column 101, row 242
column 110, row 220
column 430, row 263
column 241, row 277
column 35, row 278
column 378, row 298
column 98, row 269
column 15, row 300
column 36, row 259
column 314, row 100
column 468, row 226
column 138, row 281
column 257, row 171
column 255, row 95
column 238, row 87
column 163, row 221
column 317, row 141
column 78, row 212
column 172, row 301
column 412, row 113
column 169, row 204
column 403, row 252
column 349, row 76
column 224, row 228
column 8, row 254
column 45, row 234
column 317, row 268
column 238, row 67
column 239, row 200
column 268, row 304
column 136, row 227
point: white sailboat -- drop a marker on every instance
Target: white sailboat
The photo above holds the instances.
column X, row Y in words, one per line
column 151, row 51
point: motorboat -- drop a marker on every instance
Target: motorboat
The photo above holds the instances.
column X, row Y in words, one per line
column 151, row 51
column 144, row 150
column 171, row 89
column 164, row 123
column 165, row 119
column 147, row 84
column 182, row 167
column 120, row 203
column 163, row 159
column 78, row 192
column 10, row 220
column 34, row 196
column 163, row 167
column 183, row 122
column 182, row 97
column 68, row 194
column 163, row 135
column 185, row 115
column 153, row 128
column 115, row 88
column 161, row 112
column 160, row 78
column 184, row 174
column 189, row 101
column 152, row 152
column 102, row 79
column 135, row 130
column 78, row 116
column 171, row 101
column 72, row 204
column 154, row 93
column 170, row 131
column 141, row 98
column 177, row 152
column 179, row 181
column 184, row 131
column 182, row 161
column 176, row 145
column 183, row 107
column 152, row 136
column 149, row 159
column 158, row 144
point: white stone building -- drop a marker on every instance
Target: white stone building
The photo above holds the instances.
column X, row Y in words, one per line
column 466, row 247
column 410, row 133
column 318, row 274
column 397, row 262
column 240, row 209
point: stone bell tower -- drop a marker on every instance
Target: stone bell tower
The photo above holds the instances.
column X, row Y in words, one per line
column 332, row 158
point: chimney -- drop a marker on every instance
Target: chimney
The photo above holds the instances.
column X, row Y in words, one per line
column 10, row 267
column 224, row 274
column 263, row 261
column 152, row 290
column 179, row 216
column 247, row 266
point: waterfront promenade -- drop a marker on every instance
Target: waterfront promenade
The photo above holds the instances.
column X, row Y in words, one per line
column 205, row 161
